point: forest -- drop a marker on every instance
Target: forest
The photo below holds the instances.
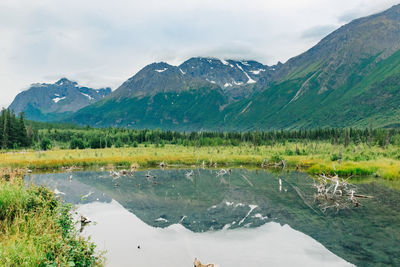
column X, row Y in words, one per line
column 16, row 133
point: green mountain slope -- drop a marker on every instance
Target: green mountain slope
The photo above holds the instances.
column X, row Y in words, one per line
column 374, row 96
column 350, row 78
column 192, row 109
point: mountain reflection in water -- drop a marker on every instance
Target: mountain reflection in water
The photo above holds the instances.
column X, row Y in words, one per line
column 241, row 218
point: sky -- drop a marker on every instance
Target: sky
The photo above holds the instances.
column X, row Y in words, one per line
column 101, row 43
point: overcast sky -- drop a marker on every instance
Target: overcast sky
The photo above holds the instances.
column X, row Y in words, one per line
column 101, row 43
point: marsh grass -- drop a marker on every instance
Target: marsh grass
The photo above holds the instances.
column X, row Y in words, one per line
column 315, row 157
column 37, row 230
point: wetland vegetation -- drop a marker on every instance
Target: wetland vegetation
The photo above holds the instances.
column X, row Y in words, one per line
column 313, row 157
column 347, row 152
column 36, row 229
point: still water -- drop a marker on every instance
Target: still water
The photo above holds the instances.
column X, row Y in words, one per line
column 242, row 218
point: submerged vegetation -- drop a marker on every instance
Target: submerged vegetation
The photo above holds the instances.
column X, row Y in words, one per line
column 36, row 229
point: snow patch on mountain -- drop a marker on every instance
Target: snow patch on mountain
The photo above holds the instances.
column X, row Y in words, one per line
column 227, row 84
column 250, row 80
column 162, row 70
column 224, row 62
column 256, row 72
column 58, row 99
column 213, row 82
column 88, row 96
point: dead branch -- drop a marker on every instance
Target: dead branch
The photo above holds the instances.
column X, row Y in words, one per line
column 334, row 192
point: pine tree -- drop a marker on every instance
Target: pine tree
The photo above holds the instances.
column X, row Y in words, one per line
column 4, row 143
column 21, row 131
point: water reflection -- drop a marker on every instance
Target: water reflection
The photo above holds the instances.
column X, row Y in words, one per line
column 208, row 201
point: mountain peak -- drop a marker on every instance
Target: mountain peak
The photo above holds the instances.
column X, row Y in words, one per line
column 159, row 65
column 66, row 82
column 55, row 99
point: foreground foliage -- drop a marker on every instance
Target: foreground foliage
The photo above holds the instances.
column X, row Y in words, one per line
column 37, row 230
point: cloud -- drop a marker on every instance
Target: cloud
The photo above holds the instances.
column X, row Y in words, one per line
column 102, row 43
column 365, row 8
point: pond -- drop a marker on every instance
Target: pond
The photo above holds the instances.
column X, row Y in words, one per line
column 241, row 218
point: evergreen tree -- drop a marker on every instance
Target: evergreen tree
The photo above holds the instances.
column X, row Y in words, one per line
column 22, row 136
column 4, row 143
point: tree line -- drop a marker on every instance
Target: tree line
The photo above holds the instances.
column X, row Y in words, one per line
column 119, row 137
column 16, row 132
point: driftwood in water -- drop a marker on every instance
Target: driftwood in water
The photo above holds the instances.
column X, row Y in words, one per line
column 337, row 193
column 265, row 164
column 84, row 222
column 222, row 172
column 360, row 196
column 197, row 263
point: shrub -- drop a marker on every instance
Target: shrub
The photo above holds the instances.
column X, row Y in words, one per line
column 289, row 152
column 77, row 143
column 119, row 144
column 45, row 144
column 96, row 142
column 336, row 157
column 276, row 158
column 38, row 230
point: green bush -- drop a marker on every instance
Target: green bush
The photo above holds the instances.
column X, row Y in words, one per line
column 334, row 157
column 276, row 158
column 45, row 144
column 96, row 142
column 77, row 144
column 38, row 230
column 289, row 152
column 119, row 144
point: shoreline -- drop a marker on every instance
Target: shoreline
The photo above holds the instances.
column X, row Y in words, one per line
column 314, row 163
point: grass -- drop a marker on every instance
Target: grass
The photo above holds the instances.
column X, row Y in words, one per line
column 314, row 157
column 37, row 230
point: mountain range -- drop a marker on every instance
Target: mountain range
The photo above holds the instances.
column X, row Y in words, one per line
column 46, row 102
column 350, row 78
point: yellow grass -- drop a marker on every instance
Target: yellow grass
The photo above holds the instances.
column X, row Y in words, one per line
column 314, row 157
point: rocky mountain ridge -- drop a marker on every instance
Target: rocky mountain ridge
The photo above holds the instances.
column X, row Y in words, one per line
column 64, row 96
column 350, row 78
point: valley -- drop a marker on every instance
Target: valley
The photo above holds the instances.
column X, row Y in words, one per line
column 207, row 157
